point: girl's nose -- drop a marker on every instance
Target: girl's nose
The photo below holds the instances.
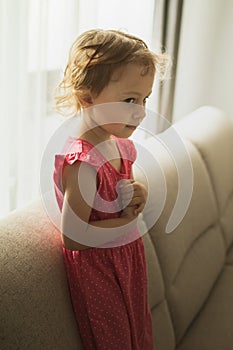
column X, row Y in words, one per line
column 139, row 111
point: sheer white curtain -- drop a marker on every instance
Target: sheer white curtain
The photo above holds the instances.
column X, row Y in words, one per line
column 35, row 37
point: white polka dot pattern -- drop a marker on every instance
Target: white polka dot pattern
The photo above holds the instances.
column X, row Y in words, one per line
column 108, row 286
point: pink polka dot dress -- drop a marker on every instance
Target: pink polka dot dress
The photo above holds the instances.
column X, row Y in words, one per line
column 108, row 286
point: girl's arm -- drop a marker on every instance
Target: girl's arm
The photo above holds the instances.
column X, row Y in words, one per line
column 76, row 209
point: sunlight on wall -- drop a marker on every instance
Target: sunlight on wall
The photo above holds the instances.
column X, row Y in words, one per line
column 205, row 70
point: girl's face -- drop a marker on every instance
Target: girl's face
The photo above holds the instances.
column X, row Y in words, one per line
column 129, row 87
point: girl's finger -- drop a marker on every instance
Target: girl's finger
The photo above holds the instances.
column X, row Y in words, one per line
column 139, row 209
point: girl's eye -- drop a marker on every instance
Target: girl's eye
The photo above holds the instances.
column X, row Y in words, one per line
column 145, row 99
column 129, row 100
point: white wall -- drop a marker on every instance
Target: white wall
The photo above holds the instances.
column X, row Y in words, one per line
column 205, row 62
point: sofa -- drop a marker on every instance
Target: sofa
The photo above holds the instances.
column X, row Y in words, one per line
column 190, row 268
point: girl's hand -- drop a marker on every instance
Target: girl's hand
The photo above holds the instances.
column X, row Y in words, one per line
column 138, row 194
column 128, row 213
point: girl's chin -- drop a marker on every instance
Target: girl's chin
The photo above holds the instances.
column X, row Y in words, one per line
column 126, row 132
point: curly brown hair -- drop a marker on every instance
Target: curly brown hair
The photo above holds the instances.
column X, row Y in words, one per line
column 93, row 58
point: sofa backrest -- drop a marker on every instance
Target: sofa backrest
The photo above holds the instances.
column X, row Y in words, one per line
column 192, row 256
column 164, row 337
column 36, row 311
column 211, row 132
column 183, row 265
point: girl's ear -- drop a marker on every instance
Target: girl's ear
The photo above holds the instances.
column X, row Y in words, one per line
column 85, row 100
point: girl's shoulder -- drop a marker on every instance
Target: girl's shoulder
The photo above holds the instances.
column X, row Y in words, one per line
column 76, row 149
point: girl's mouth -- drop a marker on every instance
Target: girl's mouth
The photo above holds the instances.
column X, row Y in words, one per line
column 133, row 127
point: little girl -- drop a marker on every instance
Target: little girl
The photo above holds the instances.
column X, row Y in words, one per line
column 107, row 71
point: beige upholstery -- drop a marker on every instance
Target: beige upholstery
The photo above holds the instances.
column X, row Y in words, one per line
column 35, row 308
column 190, row 270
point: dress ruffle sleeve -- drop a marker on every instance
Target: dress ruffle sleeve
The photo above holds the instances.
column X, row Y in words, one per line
column 73, row 151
